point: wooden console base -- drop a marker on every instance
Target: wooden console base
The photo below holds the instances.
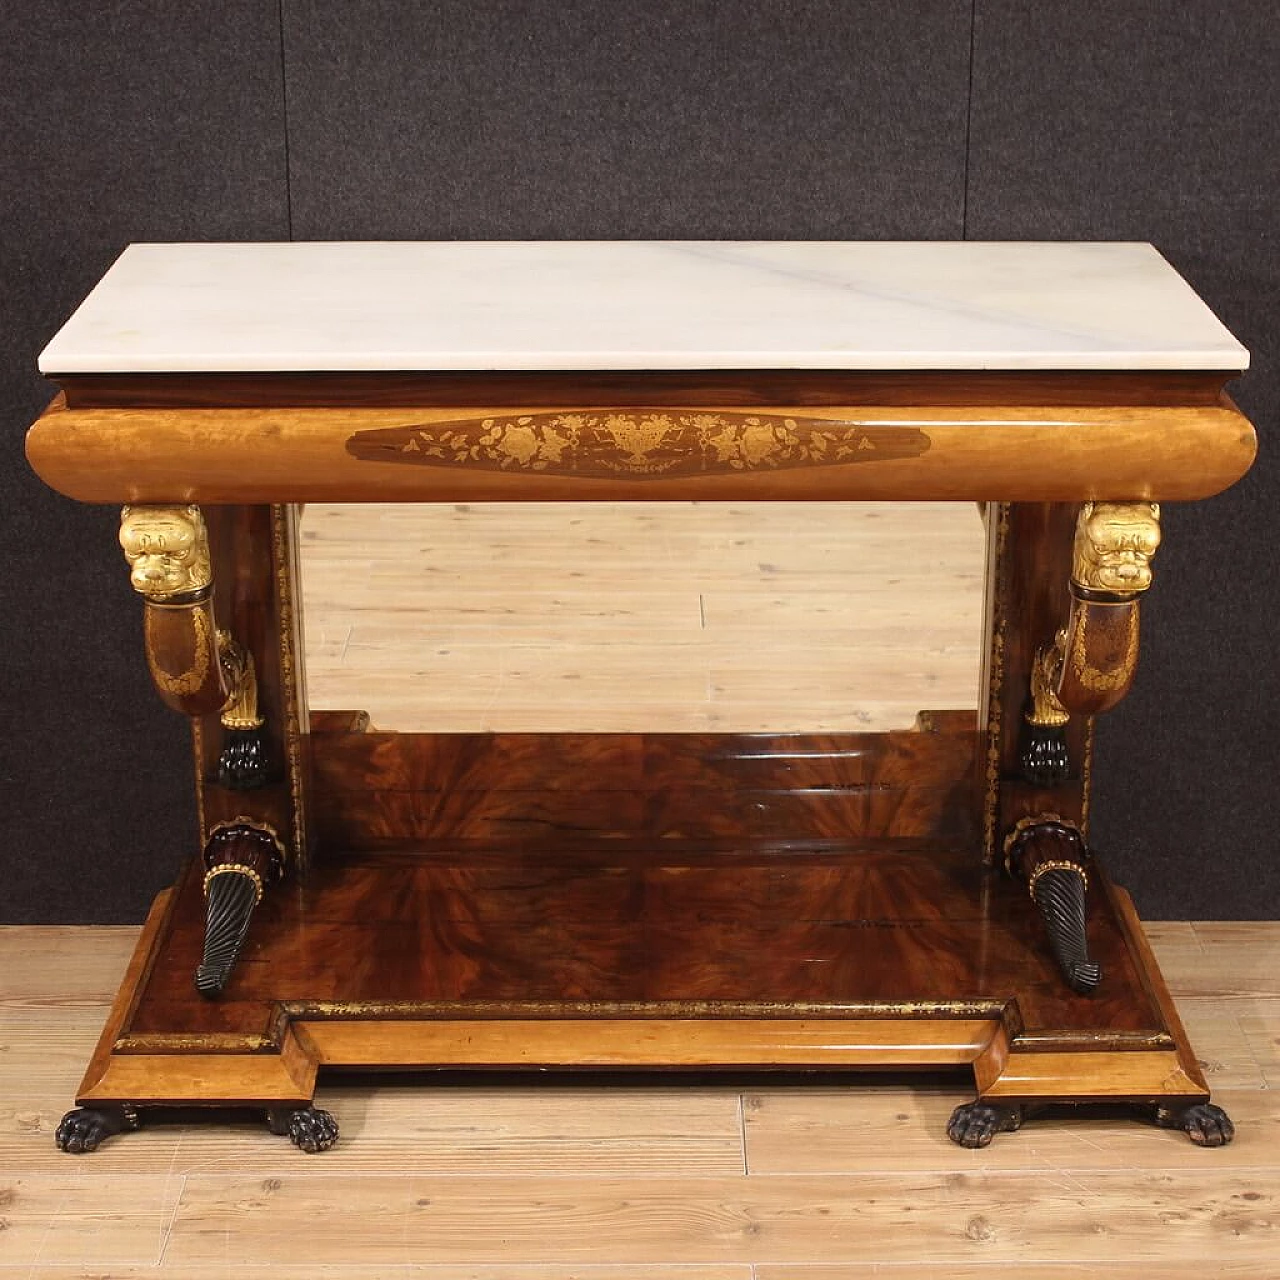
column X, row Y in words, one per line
column 893, row 954
column 632, row 901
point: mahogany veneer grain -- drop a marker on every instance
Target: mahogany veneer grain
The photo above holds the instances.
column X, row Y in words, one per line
column 372, row 788
column 652, row 929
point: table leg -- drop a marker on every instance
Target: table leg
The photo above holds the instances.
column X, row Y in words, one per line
column 242, row 687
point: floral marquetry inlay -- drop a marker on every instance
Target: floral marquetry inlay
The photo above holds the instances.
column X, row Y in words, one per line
column 637, row 444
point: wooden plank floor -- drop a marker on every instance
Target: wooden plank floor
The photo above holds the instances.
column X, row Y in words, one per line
column 696, row 1181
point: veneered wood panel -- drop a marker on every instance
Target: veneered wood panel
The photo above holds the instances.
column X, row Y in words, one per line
column 666, row 929
column 372, row 788
column 685, row 1043
column 292, row 455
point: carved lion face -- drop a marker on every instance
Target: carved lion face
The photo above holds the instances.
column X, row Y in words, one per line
column 167, row 549
column 1114, row 545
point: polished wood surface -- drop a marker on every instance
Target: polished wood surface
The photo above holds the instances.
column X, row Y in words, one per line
column 698, row 1178
column 1100, row 656
column 254, row 550
column 182, row 653
column 1028, row 598
column 625, row 1043
column 375, row 790
column 587, row 387
column 778, row 929
column 607, row 882
column 775, row 931
column 925, row 453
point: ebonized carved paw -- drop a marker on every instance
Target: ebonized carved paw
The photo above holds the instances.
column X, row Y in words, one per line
column 975, row 1123
column 244, row 764
column 84, row 1128
column 1045, row 759
column 1205, row 1124
column 309, row 1129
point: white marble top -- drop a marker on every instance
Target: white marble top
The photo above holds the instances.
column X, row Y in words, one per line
column 640, row 305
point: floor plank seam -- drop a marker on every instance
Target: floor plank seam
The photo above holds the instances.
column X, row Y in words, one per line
column 167, row 1232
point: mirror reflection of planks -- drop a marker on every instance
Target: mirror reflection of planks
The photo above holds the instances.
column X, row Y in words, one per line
column 665, row 617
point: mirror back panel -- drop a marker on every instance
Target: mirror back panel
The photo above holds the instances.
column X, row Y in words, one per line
column 657, row 617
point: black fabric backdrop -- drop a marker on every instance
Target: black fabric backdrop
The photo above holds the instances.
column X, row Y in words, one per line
column 924, row 119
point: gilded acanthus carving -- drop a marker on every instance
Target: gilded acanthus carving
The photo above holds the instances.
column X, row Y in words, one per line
column 1097, row 651
column 1114, row 544
column 241, row 708
column 1045, row 707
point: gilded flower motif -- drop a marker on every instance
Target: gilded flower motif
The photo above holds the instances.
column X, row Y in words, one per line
column 639, row 444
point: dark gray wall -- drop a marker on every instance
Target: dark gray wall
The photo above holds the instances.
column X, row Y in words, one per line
column 119, row 122
column 771, row 118
column 1143, row 120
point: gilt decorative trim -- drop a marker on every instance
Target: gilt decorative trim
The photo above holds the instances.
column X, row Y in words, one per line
column 283, row 545
column 1089, row 676
column 636, row 444
column 998, row 550
column 240, row 868
column 183, row 683
column 241, row 824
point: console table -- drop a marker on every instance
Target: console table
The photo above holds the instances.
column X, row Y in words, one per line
column 923, row 898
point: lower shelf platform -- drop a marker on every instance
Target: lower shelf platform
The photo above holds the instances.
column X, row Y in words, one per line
column 892, row 954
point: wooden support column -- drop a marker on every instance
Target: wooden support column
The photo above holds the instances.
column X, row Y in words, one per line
column 1028, row 572
column 255, row 562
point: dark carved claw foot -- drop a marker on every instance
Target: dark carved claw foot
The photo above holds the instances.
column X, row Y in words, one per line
column 1205, row 1124
column 84, row 1128
column 975, row 1123
column 309, row 1128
